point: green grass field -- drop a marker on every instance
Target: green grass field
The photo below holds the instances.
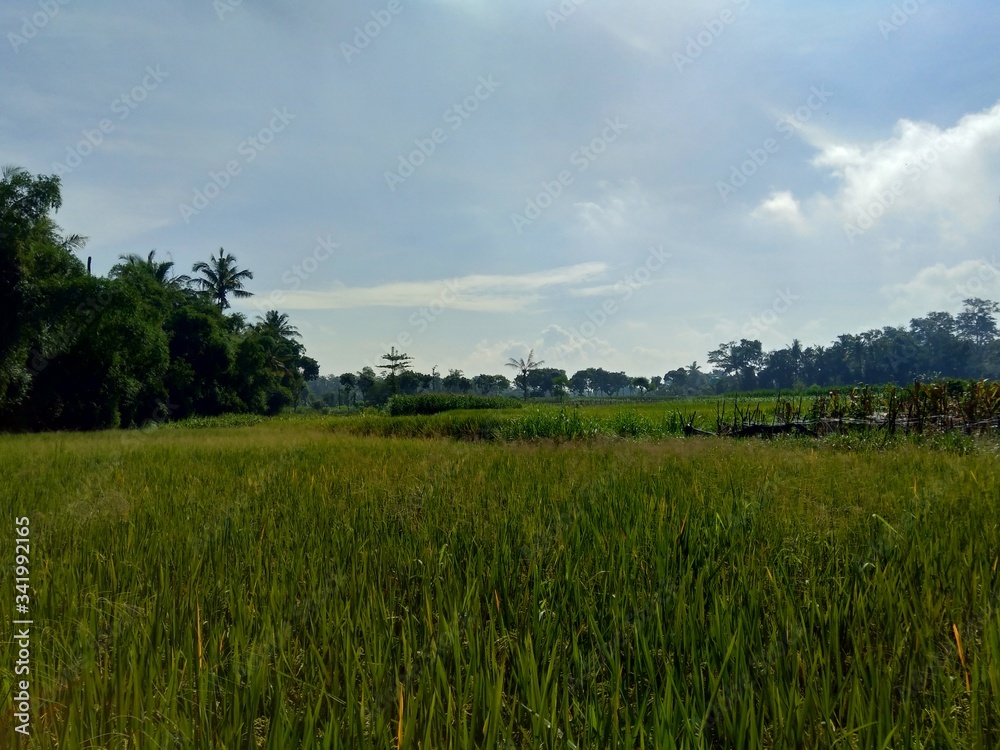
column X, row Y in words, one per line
column 308, row 582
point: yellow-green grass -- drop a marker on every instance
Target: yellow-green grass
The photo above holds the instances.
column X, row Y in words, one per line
column 292, row 585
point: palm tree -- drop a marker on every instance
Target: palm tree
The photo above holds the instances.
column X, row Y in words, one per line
column 159, row 271
column 524, row 366
column 277, row 324
column 220, row 278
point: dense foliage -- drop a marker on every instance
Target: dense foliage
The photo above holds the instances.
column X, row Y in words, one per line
column 435, row 403
column 85, row 352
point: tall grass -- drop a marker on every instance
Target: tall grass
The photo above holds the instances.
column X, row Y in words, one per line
column 546, row 423
column 285, row 586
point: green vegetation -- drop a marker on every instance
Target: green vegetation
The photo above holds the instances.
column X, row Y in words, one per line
column 546, row 423
column 434, row 403
column 142, row 345
column 285, row 584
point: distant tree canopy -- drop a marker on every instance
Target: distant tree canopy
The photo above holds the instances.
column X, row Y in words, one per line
column 143, row 344
column 940, row 344
column 937, row 345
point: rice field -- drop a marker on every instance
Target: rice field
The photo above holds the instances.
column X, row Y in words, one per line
column 318, row 583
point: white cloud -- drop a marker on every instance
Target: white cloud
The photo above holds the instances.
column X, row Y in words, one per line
column 941, row 287
column 571, row 350
column 485, row 355
column 615, row 211
column 922, row 172
column 478, row 292
column 781, row 207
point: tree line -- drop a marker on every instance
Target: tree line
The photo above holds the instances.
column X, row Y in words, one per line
column 938, row 345
column 143, row 344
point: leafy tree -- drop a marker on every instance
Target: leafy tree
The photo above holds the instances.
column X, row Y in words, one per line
column 38, row 272
column 780, row 369
column 608, row 383
column 210, row 372
column 349, row 382
column 220, row 279
column 411, row 383
column 676, row 380
column 366, row 381
column 490, row 384
column 546, row 381
column 108, row 372
column 742, row 360
column 278, row 325
column 524, row 367
column 580, row 382
column 309, row 367
column 456, row 382
column 940, row 351
column 642, row 384
column 160, row 272
column 560, row 385
column 976, row 322
column 395, row 363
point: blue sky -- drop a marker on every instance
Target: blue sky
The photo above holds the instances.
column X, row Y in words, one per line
column 613, row 184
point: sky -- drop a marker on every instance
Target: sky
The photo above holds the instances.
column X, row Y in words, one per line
column 610, row 184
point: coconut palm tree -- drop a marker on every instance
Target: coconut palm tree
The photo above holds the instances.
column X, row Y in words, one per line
column 220, row 278
column 277, row 324
column 160, row 271
column 524, row 366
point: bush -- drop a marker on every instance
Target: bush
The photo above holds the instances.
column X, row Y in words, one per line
column 434, row 403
